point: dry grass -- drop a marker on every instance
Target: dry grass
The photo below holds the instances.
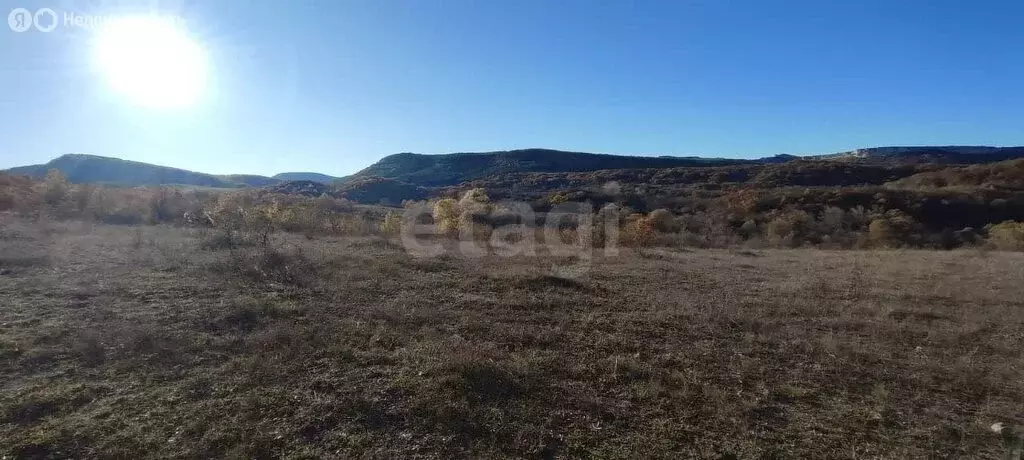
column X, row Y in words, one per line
column 122, row 342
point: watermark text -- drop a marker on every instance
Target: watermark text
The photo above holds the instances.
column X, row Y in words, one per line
column 48, row 20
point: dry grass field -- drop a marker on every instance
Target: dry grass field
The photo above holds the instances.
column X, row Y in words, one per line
column 133, row 342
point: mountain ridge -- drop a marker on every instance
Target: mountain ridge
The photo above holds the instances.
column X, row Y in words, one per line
column 85, row 168
column 452, row 168
column 82, row 168
column 306, row 176
column 439, row 170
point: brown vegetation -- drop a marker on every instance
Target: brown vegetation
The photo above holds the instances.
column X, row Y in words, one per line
column 1007, row 175
column 290, row 322
column 135, row 341
column 824, row 217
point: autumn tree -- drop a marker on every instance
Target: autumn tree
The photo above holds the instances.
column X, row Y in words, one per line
column 880, row 233
column 446, row 215
column 1007, row 236
column 55, row 188
column 391, row 225
column 662, row 220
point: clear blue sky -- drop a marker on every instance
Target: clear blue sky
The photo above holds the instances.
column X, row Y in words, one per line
column 333, row 85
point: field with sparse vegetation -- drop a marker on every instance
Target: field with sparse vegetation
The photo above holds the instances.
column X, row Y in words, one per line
column 164, row 341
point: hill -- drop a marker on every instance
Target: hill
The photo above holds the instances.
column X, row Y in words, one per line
column 306, row 176
column 370, row 190
column 454, row 168
column 300, row 187
column 955, row 154
column 1007, row 175
column 250, row 180
column 377, row 190
column 411, row 170
column 97, row 169
column 680, row 181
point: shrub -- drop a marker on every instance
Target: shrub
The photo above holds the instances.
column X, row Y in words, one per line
column 160, row 205
column 880, row 233
column 55, row 188
column 262, row 221
column 271, row 265
column 446, row 215
column 638, row 231
column 121, row 217
column 1007, row 236
column 222, row 238
column 662, row 220
column 81, row 197
column 893, row 229
column 355, row 225
column 6, row 201
column 558, row 198
column 749, row 229
column 391, row 225
column 475, row 196
column 788, row 228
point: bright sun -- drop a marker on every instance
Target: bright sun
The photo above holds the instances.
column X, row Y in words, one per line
column 151, row 61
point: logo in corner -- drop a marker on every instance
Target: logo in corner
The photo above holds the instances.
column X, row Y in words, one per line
column 52, row 24
column 20, row 19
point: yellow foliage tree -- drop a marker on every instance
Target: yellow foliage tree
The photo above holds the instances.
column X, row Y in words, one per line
column 474, row 196
column 788, row 228
column 391, row 225
column 446, row 215
column 262, row 220
column 55, row 188
column 558, row 198
column 880, row 233
column 639, row 231
column 1007, row 236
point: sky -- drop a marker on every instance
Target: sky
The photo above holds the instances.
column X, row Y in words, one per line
column 334, row 85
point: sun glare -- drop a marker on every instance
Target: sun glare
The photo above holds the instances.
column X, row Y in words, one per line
column 150, row 61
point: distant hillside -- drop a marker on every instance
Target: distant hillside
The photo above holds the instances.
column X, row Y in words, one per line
column 309, row 176
column 682, row 181
column 411, row 170
column 1007, row 175
column 371, row 190
column 96, row 169
column 956, row 154
column 450, row 169
column 250, row 180
column 455, row 168
column 823, row 173
column 376, row 190
column 301, row 187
